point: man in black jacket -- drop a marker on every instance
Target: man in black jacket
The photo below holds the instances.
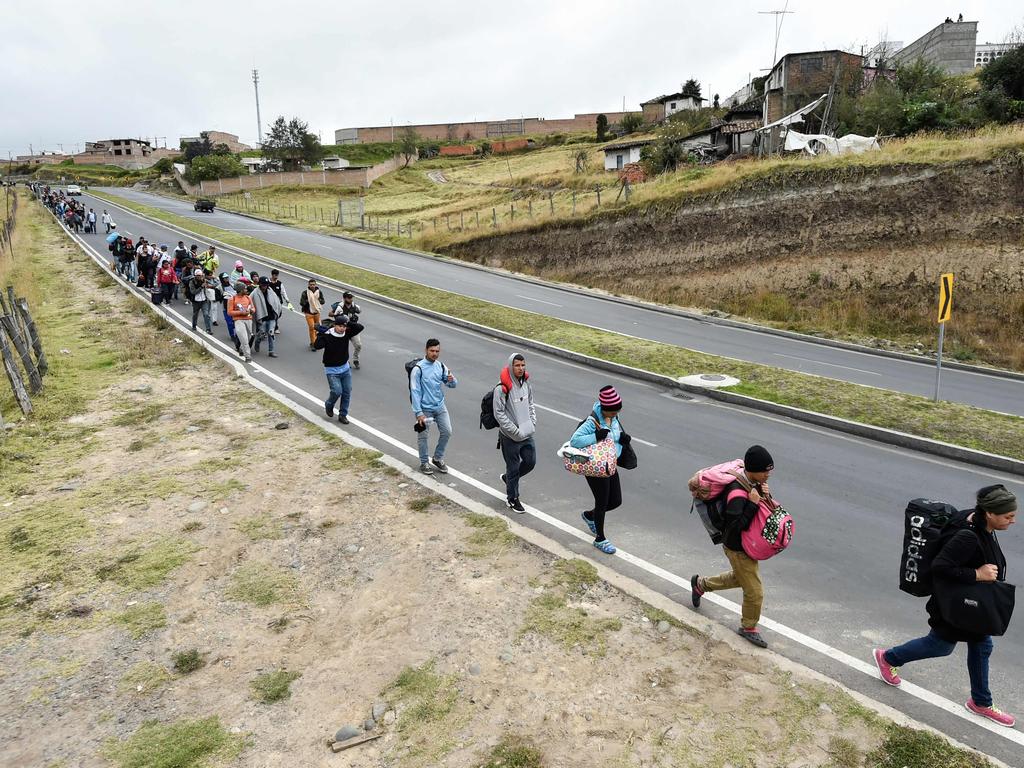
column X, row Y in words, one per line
column 741, row 504
column 334, row 342
column 971, row 556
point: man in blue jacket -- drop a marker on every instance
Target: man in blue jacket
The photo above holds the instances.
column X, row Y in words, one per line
column 426, row 387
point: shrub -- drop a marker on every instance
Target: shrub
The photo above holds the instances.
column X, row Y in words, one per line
column 211, row 167
column 274, row 686
column 631, row 122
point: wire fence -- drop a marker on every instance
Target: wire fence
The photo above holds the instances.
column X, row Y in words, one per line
column 527, row 205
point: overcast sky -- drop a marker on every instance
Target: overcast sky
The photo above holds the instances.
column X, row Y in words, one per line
column 77, row 71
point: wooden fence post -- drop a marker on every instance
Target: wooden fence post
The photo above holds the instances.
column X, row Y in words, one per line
column 574, row 202
column 10, row 325
column 598, row 196
column 33, row 334
column 494, row 217
column 551, row 202
column 14, row 375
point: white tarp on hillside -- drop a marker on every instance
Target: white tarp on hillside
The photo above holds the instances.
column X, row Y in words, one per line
column 816, row 143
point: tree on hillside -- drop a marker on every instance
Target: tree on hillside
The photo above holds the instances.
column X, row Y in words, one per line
column 1005, row 73
column 691, row 88
column 408, row 140
column 211, row 167
column 714, row 105
column 202, row 148
column 291, row 144
column 602, row 127
column 631, row 122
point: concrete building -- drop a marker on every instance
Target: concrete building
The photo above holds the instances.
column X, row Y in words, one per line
column 229, row 140
column 951, row 46
column 799, row 78
column 481, row 129
column 335, row 163
column 661, row 108
column 987, row 52
column 882, row 54
column 139, row 148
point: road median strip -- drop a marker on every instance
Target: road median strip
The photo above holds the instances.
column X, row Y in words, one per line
column 952, row 430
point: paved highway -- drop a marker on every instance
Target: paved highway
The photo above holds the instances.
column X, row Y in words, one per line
column 918, row 378
column 836, row 586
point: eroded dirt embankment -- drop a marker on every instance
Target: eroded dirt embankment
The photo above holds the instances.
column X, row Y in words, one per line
column 819, row 249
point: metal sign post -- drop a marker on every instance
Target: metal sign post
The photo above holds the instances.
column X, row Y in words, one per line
column 945, row 312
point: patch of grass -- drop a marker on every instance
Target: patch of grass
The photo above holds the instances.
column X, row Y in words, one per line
column 192, row 527
column 550, row 615
column 188, row 661
column 143, row 567
column 844, row 753
column 490, row 536
column 905, row 747
column 423, row 503
column 263, row 584
column 139, row 414
column 574, row 575
column 260, row 527
column 514, row 752
column 948, row 422
column 429, row 698
column 274, row 686
column 145, row 677
column 141, row 619
column 346, row 457
column 182, row 744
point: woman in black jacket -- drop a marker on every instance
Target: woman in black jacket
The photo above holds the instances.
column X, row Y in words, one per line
column 970, row 556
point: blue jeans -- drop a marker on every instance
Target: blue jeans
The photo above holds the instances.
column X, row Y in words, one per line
column 444, row 428
column 520, row 459
column 341, row 387
column 932, row 646
column 266, row 327
column 229, row 323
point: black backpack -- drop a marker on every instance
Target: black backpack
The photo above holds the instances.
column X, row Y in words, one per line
column 413, row 364
column 487, row 420
column 928, row 525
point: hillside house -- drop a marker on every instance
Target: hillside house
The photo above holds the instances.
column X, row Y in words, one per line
column 799, row 78
column 335, row 163
column 621, row 154
column 661, row 108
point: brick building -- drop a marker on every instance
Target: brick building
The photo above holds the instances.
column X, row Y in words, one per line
column 483, row 129
column 661, row 108
column 799, row 78
column 229, row 140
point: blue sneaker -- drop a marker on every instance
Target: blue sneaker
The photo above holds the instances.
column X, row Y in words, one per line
column 606, row 546
column 590, row 523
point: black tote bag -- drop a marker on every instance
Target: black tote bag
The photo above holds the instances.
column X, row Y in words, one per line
column 982, row 608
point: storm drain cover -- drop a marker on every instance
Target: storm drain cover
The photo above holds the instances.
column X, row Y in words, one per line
column 710, row 380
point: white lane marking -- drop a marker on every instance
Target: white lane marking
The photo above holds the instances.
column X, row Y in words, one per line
column 832, row 365
column 796, row 636
column 903, row 452
column 542, row 301
column 399, row 266
column 576, row 418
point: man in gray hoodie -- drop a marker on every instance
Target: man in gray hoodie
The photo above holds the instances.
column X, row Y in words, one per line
column 517, row 421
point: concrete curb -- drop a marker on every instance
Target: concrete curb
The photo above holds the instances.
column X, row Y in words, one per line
column 593, row 293
column 878, row 434
column 621, row 582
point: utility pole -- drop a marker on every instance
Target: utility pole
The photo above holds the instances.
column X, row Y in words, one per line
column 780, row 16
column 259, row 124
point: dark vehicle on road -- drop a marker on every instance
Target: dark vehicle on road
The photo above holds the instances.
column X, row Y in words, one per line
column 205, row 204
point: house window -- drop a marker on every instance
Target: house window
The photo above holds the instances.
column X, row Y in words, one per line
column 117, row 151
column 618, row 162
column 672, row 105
column 128, row 151
column 812, row 64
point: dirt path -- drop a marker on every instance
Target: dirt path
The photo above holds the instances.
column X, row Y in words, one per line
column 194, row 575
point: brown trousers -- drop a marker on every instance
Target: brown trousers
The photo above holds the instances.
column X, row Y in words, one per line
column 745, row 575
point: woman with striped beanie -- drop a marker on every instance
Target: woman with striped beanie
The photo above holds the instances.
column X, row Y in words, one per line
column 601, row 423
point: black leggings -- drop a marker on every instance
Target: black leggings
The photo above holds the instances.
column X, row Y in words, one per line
column 607, row 496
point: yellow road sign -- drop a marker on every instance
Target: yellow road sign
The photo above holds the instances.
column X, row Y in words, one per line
column 946, row 297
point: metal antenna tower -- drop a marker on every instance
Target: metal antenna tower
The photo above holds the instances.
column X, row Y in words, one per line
column 259, row 124
column 780, row 16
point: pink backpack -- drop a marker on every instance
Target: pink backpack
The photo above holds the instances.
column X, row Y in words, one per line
column 712, row 481
column 770, row 532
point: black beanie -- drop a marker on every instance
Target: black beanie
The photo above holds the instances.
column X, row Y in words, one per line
column 757, row 459
column 996, row 499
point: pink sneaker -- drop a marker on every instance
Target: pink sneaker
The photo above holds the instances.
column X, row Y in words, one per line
column 993, row 714
column 885, row 670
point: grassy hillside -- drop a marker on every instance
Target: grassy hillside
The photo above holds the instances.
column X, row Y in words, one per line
column 105, row 175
